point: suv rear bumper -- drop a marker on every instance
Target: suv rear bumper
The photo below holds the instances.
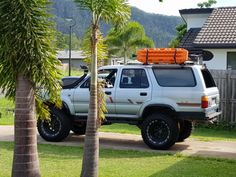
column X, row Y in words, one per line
column 198, row 116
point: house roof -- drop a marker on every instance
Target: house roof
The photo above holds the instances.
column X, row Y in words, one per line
column 196, row 11
column 219, row 30
column 187, row 43
column 189, row 37
column 64, row 54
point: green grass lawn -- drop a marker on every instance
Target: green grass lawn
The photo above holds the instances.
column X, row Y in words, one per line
column 61, row 161
column 74, row 72
column 6, row 111
column 204, row 134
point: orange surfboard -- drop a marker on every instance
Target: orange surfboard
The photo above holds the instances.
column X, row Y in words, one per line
column 162, row 55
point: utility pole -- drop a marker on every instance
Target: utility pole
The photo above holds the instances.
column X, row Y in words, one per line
column 72, row 23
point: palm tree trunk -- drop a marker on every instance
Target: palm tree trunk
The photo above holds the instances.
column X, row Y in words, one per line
column 25, row 161
column 91, row 145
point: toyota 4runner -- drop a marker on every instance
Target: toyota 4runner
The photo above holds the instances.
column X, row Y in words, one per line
column 162, row 100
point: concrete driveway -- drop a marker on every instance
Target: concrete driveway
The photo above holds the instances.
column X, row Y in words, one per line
column 222, row 149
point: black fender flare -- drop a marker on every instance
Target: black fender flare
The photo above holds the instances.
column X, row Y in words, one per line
column 158, row 108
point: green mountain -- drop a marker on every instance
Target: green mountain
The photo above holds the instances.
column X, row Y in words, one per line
column 160, row 28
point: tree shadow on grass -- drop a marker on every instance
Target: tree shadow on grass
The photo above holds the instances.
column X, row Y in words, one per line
column 199, row 167
column 126, row 147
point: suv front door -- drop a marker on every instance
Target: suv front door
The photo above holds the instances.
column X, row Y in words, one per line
column 134, row 89
column 82, row 93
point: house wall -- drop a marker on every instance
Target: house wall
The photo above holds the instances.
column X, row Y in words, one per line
column 219, row 60
column 195, row 20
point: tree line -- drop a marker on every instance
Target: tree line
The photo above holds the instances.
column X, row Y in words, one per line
column 160, row 28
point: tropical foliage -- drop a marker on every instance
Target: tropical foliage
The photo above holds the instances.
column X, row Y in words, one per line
column 27, row 62
column 207, row 4
column 125, row 41
column 115, row 12
column 102, row 53
column 62, row 41
column 181, row 31
column 27, row 48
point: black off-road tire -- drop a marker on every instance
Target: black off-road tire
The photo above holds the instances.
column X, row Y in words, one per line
column 57, row 129
column 79, row 129
column 160, row 131
column 186, row 128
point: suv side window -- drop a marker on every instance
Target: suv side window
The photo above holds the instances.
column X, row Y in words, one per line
column 109, row 75
column 209, row 81
column 134, row 78
column 175, row 77
column 86, row 84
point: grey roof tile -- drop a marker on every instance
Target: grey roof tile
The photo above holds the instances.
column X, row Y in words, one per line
column 189, row 37
column 64, row 54
column 219, row 31
column 196, row 11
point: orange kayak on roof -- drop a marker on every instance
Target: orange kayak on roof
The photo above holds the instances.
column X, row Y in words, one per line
column 162, row 55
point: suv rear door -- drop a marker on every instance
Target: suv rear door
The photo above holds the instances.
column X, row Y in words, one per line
column 211, row 92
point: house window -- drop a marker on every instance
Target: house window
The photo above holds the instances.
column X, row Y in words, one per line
column 231, row 60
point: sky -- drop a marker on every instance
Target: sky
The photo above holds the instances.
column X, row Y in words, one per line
column 172, row 7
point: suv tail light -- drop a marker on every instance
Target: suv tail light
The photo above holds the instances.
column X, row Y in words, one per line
column 204, row 102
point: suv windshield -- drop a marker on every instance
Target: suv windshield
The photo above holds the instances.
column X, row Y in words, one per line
column 209, row 81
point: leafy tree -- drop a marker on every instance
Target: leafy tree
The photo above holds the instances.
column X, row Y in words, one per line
column 27, row 61
column 207, row 4
column 181, row 31
column 111, row 11
column 125, row 41
column 62, row 41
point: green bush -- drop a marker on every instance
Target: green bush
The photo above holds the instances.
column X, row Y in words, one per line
column 217, row 126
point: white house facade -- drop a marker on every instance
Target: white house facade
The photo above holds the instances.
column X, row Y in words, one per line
column 195, row 20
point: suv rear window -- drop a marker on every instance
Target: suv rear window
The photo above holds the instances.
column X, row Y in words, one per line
column 175, row 77
column 209, row 81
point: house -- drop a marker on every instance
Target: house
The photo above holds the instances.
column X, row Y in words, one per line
column 120, row 61
column 212, row 34
column 77, row 58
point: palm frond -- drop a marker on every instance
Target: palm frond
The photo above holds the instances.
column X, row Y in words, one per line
column 26, row 46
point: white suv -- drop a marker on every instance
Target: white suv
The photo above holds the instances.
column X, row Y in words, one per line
column 162, row 100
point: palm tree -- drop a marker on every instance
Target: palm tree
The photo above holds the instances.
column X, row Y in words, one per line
column 27, row 61
column 115, row 12
column 102, row 54
column 125, row 41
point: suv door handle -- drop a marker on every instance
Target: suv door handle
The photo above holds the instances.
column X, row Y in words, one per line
column 107, row 93
column 143, row 94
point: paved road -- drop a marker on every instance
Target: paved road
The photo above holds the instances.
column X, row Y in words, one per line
column 134, row 142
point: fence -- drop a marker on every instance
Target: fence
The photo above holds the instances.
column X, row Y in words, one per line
column 226, row 82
